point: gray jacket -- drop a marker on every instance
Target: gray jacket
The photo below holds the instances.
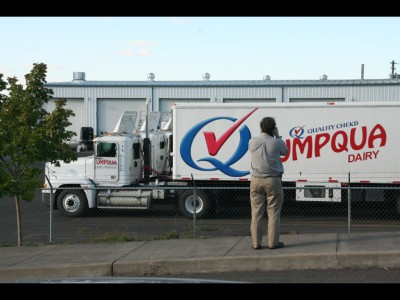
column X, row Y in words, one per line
column 266, row 152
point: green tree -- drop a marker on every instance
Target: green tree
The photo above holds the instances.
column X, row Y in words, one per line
column 29, row 135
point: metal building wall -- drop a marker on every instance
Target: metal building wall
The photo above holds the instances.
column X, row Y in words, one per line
column 216, row 94
column 91, row 95
column 101, row 92
column 305, row 91
column 349, row 93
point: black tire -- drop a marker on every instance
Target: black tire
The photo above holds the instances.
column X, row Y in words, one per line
column 72, row 203
column 186, row 205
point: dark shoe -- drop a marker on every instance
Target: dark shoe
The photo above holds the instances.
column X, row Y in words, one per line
column 256, row 247
column 279, row 245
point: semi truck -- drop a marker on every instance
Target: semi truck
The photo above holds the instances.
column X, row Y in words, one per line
column 332, row 146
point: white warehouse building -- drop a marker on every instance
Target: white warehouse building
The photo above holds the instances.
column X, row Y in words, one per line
column 99, row 104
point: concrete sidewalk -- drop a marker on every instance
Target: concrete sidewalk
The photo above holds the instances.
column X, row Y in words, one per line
column 161, row 257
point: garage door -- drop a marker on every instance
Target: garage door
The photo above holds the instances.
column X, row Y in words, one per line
column 166, row 104
column 78, row 121
column 249, row 100
column 110, row 110
column 319, row 100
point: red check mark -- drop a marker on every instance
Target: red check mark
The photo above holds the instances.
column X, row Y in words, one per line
column 214, row 145
column 296, row 131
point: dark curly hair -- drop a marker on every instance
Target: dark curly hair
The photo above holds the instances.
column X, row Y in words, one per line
column 268, row 125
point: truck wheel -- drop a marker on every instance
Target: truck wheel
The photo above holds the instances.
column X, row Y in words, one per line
column 186, row 204
column 72, row 203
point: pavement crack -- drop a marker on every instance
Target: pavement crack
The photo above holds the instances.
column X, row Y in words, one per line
column 30, row 257
column 234, row 246
column 124, row 255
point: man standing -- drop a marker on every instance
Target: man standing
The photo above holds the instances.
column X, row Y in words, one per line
column 266, row 193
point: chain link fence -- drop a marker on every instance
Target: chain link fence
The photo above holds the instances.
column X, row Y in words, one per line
column 222, row 211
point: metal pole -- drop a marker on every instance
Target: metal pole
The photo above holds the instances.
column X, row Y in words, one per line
column 147, row 146
column 194, row 207
column 51, row 215
column 147, row 117
column 51, row 209
column 349, row 207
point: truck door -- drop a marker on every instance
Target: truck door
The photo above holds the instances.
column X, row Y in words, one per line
column 136, row 168
column 106, row 162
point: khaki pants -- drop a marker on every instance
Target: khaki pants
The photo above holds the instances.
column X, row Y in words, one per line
column 266, row 194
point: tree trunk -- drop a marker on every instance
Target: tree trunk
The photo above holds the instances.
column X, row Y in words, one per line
column 19, row 224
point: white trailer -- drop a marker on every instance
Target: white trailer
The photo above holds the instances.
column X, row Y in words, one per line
column 331, row 145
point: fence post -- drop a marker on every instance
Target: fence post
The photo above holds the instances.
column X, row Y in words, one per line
column 349, row 206
column 194, row 207
column 51, row 209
